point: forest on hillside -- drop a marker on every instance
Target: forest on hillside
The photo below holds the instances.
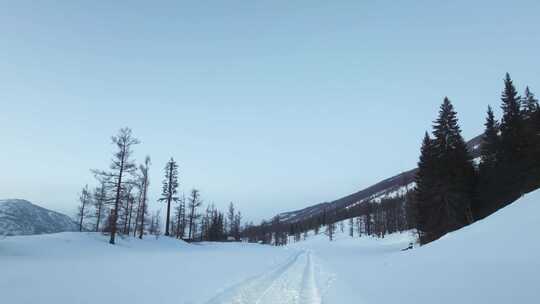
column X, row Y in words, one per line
column 451, row 190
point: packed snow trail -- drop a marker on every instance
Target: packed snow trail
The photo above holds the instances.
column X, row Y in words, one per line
column 291, row 283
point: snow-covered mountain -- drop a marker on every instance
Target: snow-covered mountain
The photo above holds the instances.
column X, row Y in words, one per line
column 388, row 188
column 20, row 217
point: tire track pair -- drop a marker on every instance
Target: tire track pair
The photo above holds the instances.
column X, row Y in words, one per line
column 293, row 282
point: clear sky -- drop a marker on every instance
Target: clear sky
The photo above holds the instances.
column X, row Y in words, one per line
column 274, row 105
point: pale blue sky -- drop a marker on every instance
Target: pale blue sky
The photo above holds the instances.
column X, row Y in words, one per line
column 274, row 105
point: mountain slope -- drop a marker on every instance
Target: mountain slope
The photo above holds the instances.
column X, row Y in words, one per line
column 391, row 187
column 20, row 217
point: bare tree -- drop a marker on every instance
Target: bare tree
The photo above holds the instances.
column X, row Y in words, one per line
column 130, row 200
column 100, row 198
column 155, row 224
column 180, row 217
column 170, row 189
column 144, row 180
column 194, row 203
column 85, row 200
column 120, row 168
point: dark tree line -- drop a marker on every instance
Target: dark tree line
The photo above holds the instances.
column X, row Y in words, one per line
column 451, row 190
column 366, row 218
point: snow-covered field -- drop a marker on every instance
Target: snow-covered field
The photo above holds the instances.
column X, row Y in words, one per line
column 496, row 260
column 84, row 268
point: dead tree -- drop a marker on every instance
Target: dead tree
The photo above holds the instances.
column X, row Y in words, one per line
column 180, row 216
column 85, row 200
column 144, row 181
column 194, row 203
column 100, row 198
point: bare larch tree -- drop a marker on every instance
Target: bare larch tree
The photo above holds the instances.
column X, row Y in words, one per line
column 85, row 200
column 144, row 181
column 194, row 203
column 121, row 167
column 100, row 197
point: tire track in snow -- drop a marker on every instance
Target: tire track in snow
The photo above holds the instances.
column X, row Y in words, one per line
column 310, row 292
column 292, row 283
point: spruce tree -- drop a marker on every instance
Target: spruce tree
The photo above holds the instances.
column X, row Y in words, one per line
column 530, row 104
column 487, row 187
column 513, row 143
column 456, row 175
column 490, row 141
column 531, row 144
column 425, row 185
column 445, row 180
column 511, row 122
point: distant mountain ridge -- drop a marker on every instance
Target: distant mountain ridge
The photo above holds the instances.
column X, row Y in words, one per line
column 390, row 187
column 21, row 217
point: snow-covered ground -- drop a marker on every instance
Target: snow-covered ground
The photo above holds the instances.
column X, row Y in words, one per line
column 496, row 260
column 83, row 268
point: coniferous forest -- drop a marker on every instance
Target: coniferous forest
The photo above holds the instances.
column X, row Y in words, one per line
column 451, row 188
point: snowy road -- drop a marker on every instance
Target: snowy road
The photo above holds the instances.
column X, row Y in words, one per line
column 291, row 283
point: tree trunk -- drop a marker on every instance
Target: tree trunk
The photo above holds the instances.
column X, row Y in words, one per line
column 143, row 205
column 82, row 216
column 98, row 216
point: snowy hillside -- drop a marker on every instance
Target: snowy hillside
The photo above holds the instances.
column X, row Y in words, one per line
column 495, row 260
column 20, row 217
column 389, row 188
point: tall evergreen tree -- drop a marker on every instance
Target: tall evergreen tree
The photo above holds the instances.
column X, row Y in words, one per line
column 530, row 104
column 487, row 186
column 170, row 190
column 513, row 166
column 445, row 180
column 531, row 144
column 490, row 141
column 511, row 122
